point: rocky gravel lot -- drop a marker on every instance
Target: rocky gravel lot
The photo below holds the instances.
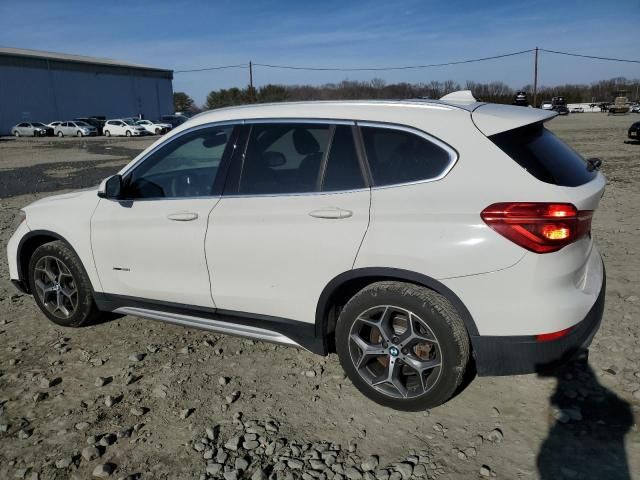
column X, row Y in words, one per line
column 133, row 398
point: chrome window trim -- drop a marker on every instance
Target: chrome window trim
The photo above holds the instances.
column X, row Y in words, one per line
column 453, row 153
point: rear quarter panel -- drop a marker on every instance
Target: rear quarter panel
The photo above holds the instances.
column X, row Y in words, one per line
column 434, row 227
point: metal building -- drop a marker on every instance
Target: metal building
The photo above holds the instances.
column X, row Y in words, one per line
column 43, row 87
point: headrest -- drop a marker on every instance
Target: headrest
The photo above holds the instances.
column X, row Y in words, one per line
column 305, row 142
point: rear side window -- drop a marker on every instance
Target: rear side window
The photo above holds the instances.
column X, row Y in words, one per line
column 398, row 156
column 544, row 155
column 283, row 158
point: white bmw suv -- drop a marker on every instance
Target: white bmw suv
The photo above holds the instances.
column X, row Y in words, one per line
column 418, row 239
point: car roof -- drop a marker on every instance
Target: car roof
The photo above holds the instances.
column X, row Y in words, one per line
column 493, row 117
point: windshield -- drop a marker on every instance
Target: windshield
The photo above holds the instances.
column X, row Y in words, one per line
column 82, row 124
column 38, row 124
column 129, row 121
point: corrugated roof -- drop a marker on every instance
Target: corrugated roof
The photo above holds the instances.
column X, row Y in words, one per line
column 65, row 57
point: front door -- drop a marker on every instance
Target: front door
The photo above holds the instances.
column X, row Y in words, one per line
column 150, row 244
column 293, row 216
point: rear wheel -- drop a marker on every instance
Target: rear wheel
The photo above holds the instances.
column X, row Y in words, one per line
column 402, row 345
column 60, row 285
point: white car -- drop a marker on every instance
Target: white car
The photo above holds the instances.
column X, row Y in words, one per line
column 123, row 127
column 154, row 128
column 546, row 106
column 412, row 237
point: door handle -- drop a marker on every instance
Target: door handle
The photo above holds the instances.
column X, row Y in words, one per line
column 332, row 212
column 182, row 216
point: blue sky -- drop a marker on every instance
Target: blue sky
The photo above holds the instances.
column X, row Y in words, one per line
column 181, row 34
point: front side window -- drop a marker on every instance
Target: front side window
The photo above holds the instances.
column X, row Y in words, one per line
column 184, row 167
column 398, row 156
column 283, row 158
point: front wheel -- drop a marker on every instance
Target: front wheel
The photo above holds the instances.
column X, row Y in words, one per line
column 128, row 134
column 60, row 285
column 402, row 345
column 107, row 133
column 16, row 133
column 78, row 133
column 60, row 134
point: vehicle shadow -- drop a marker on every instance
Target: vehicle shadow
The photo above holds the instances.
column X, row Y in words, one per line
column 587, row 437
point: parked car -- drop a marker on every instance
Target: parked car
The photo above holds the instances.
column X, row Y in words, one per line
column 123, row 127
column 635, row 109
column 173, row 120
column 54, row 124
column 577, row 110
column 406, row 240
column 562, row 110
column 75, row 128
column 634, row 131
column 547, row 105
column 155, row 128
column 94, row 122
column 31, row 129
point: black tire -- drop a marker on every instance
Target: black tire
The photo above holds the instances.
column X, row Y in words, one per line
column 107, row 133
column 158, row 131
column 128, row 134
column 85, row 311
column 60, row 134
column 79, row 133
column 16, row 133
column 430, row 309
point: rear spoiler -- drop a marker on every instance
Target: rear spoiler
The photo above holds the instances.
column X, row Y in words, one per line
column 492, row 118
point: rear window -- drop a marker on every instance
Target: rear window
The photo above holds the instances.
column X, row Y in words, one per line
column 544, row 155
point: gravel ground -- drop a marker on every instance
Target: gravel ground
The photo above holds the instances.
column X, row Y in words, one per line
column 133, row 398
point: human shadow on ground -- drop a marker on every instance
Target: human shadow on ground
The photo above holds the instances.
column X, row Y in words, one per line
column 586, row 440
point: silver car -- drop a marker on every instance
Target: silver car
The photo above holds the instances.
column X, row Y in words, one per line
column 31, row 129
column 75, row 127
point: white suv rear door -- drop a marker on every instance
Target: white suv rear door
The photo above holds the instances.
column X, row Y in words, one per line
column 150, row 243
column 293, row 215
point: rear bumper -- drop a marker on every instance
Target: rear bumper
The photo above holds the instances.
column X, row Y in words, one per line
column 515, row 355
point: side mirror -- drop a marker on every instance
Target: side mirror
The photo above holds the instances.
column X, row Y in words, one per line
column 111, row 188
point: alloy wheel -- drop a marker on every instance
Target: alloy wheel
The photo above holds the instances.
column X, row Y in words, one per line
column 395, row 352
column 55, row 286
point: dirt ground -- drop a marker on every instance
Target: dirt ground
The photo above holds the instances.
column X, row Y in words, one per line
column 62, row 391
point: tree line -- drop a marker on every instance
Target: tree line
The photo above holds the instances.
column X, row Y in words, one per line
column 495, row 92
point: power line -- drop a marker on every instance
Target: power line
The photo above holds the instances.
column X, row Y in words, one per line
column 590, row 56
column 222, row 67
column 378, row 69
column 405, row 67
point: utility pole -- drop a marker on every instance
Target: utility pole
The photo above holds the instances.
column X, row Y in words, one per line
column 251, row 80
column 535, row 80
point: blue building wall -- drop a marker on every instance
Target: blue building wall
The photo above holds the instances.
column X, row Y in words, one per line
column 45, row 91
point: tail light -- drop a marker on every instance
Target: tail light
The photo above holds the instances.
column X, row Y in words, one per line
column 538, row 227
